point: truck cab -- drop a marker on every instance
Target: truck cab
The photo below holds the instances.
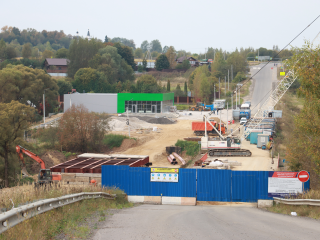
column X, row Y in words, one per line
column 44, row 176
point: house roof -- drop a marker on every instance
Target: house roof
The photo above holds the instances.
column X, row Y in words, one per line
column 181, row 59
column 57, row 61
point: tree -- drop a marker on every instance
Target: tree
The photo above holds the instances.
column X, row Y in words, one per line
column 138, row 53
column 14, row 120
column 144, row 64
column 88, row 80
column 168, row 86
column 81, row 51
column 171, row 55
column 26, row 50
column 113, row 66
column 205, row 88
column 61, row 53
column 127, row 42
column 144, row 46
column 178, row 92
column 239, row 78
column 81, row 130
column 162, row 62
column 148, row 84
column 238, row 61
column 165, row 49
column 26, row 85
column 302, row 151
column 106, row 39
column 185, row 89
column 251, row 56
column 154, row 54
column 184, row 65
column 156, row 46
column 3, row 48
column 47, row 54
column 64, row 86
column 11, row 52
column 126, row 53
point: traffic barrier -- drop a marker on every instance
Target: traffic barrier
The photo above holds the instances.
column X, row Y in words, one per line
column 265, row 203
column 310, row 202
column 136, row 199
column 16, row 215
column 188, row 201
column 152, row 199
column 171, row 200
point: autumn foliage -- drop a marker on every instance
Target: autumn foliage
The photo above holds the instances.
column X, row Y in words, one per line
column 81, row 130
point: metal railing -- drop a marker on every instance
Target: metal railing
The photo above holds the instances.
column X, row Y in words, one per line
column 16, row 215
column 310, row 202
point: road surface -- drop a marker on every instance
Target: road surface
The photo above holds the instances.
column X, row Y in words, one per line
column 262, row 83
column 166, row 222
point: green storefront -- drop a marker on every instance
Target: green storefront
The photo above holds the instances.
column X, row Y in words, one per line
column 145, row 102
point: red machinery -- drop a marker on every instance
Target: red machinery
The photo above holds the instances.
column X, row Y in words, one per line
column 199, row 128
column 45, row 175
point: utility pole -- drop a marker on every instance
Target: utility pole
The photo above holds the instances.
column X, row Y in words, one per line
column 127, row 122
column 205, row 53
column 224, row 55
column 219, row 88
column 231, row 72
column 227, row 116
column 214, row 94
column 220, row 122
column 228, row 80
column 232, row 101
column 239, row 97
column 236, row 97
column 225, row 86
column 44, row 106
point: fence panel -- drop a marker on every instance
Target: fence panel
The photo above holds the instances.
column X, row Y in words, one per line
column 244, row 186
column 213, row 185
column 136, row 181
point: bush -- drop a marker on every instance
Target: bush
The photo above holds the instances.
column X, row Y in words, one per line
column 114, row 140
column 192, row 148
column 182, row 107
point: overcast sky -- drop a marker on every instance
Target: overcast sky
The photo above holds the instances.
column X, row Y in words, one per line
column 186, row 24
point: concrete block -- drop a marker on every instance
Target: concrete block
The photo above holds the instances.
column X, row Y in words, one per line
column 68, row 174
column 88, row 175
column 265, row 203
column 136, row 199
column 171, row 200
column 189, row 201
column 152, row 199
column 82, row 179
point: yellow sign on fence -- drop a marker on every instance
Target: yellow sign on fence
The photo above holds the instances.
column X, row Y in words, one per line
column 165, row 170
column 282, row 73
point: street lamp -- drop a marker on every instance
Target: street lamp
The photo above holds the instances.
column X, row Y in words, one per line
column 44, row 106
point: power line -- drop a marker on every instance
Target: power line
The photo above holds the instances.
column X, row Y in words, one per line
column 245, row 82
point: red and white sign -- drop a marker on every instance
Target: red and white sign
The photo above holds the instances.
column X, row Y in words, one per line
column 303, row 176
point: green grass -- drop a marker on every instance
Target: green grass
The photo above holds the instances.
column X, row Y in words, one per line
column 114, row 140
column 192, row 148
column 302, row 210
column 182, row 106
column 69, row 220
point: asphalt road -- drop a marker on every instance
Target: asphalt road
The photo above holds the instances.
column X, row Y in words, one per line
column 167, row 222
column 262, row 83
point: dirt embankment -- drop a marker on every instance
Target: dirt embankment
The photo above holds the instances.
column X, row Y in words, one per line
column 50, row 158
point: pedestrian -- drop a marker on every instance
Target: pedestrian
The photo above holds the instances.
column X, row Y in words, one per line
column 239, row 130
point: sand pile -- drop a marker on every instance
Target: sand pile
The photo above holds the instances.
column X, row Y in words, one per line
column 119, row 124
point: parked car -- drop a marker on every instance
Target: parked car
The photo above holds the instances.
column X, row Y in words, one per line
column 243, row 120
column 249, row 103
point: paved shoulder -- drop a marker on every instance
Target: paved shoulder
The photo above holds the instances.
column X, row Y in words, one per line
column 201, row 222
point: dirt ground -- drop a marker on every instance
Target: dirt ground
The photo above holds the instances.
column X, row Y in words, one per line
column 50, row 158
column 153, row 144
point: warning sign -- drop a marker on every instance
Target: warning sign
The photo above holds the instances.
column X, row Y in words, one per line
column 281, row 184
column 165, row 170
column 164, row 177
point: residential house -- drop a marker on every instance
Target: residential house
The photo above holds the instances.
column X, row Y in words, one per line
column 56, row 67
column 193, row 62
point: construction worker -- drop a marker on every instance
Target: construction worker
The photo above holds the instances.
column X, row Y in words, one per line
column 41, row 175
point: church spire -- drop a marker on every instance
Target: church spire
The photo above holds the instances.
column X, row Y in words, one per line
column 88, row 34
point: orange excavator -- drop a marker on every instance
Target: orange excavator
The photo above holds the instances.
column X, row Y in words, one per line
column 45, row 176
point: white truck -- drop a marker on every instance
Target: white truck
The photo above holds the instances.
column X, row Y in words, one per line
column 219, row 104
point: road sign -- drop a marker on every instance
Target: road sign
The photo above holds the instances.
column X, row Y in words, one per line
column 282, row 73
column 303, row 176
column 165, row 170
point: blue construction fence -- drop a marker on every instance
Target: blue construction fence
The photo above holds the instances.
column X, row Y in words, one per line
column 204, row 184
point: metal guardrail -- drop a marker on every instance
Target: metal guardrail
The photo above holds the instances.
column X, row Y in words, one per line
column 16, row 215
column 310, row 202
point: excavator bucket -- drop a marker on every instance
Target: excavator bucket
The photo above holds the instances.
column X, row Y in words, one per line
column 24, row 171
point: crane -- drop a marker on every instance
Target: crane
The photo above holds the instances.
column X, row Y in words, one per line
column 45, row 176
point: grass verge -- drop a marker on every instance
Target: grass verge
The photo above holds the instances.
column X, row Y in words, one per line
column 69, row 221
column 114, row 140
column 182, row 106
column 191, row 148
column 27, row 193
column 303, row 210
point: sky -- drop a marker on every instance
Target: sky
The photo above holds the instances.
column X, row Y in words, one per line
column 187, row 25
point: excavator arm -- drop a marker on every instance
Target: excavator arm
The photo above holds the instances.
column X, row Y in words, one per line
column 20, row 150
